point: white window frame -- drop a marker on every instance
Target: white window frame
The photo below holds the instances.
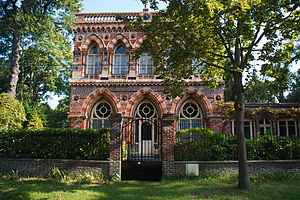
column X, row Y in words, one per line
column 264, row 126
column 95, row 65
column 147, row 65
column 94, row 115
column 287, row 126
column 199, row 116
column 252, row 127
column 119, row 69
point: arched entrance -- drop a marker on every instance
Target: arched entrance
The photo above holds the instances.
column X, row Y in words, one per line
column 142, row 144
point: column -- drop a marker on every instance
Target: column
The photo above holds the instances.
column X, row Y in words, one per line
column 168, row 136
column 115, row 144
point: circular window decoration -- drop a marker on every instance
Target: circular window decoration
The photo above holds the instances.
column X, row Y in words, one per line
column 146, row 110
column 106, row 37
column 190, row 110
column 124, row 98
column 103, row 110
column 168, row 97
column 80, row 37
column 218, row 98
column 146, row 17
column 76, row 98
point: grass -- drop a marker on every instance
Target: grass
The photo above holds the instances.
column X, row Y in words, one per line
column 280, row 186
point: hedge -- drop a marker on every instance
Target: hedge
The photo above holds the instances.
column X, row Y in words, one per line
column 202, row 144
column 55, row 144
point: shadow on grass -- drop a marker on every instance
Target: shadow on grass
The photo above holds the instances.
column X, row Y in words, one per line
column 167, row 189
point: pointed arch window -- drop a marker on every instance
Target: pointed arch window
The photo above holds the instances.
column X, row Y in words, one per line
column 100, row 114
column 120, row 61
column 93, row 60
column 190, row 115
column 145, row 64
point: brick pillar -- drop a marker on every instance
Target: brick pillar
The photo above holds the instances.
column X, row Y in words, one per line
column 168, row 122
column 115, row 144
column 215, row 123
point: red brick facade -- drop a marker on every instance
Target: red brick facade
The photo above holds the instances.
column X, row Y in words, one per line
column 126, row 91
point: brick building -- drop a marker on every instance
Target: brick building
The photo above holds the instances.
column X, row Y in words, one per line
column 111, row 89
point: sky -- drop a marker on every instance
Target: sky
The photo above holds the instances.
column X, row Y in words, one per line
column 94, row 6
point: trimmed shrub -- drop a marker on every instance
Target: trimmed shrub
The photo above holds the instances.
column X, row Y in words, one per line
column 55, row 144
column 12, row 112
column 202, row 144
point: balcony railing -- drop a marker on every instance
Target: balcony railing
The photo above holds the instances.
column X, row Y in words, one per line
column 104, row 17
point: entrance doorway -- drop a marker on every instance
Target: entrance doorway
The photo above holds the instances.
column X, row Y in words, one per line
column 142, row 145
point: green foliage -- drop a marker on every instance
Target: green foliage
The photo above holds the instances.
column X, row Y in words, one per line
column 43, row 49
column 12, row 112
column 79, row 178
column 35, row 122
column 221, row 36
column 11, row 175
column 55, row 144
column 58, row 117
column 206, row 187
column 294, row 96
column 202, row 144
column 124, row 151
column 273, row 148
column 57, row 174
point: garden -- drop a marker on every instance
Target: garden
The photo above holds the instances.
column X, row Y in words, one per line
column 277, row 186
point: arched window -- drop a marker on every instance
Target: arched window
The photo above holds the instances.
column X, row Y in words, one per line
column 120, row 61
column 93, row 60
column 146, row 111
column 146, row 128
column 100, row 114
column 190, row 115
column 145, row 64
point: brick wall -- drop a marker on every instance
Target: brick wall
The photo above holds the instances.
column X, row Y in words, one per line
column 231, row 167
column 42, row 167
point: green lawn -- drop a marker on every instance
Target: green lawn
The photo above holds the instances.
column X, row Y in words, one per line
column 284, row 186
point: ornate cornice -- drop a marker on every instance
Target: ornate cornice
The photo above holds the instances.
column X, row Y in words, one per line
column 122, row 84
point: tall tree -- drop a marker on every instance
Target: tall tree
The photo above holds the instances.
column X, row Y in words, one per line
column 33, row 21
column 294, row 95
column 212, row 31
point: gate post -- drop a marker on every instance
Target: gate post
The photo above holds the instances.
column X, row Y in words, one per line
column 168, row 131
column 115, row 144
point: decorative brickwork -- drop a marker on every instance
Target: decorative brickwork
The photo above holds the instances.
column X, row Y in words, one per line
column 125, row 85
column 115, row 144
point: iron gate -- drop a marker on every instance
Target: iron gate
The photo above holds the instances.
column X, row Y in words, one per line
column 141, row 150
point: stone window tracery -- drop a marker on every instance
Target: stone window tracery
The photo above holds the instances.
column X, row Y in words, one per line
column 100, row 114
column 120, row 61
column 190, row 115
column 93, row 60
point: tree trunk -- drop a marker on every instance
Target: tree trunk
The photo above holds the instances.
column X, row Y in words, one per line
column 239, row 104
column 14, row 66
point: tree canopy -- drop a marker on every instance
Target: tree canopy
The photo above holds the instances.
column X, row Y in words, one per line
column 35, row 40
column 213, row 36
